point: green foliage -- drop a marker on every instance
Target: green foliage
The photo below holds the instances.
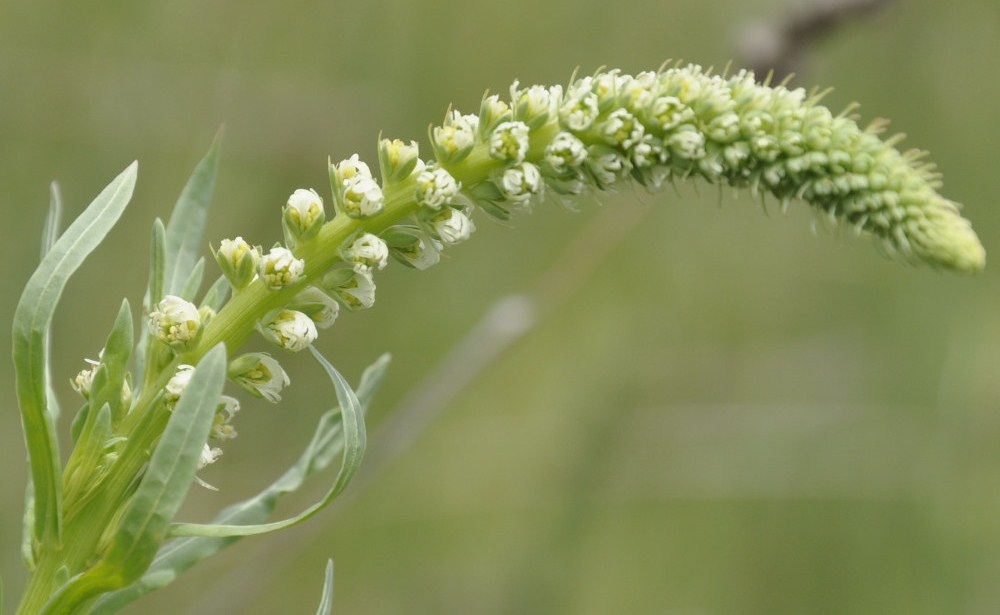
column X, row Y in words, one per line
column 186, row 227
column 31, row 325
column 326, row 602
column 143, row 525
column 180, row 554
column 352, row 431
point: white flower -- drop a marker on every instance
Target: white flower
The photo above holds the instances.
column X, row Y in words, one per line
column 176, row 385
column 572, row 185
column 411, row 246
column 279, row 268
column 222, row 428
column 452, row 226
column 367, row 252
column 421, row 254
column 608, row 86
column 238, row 261
column 579, row 109
column 607, row 164
column 688, row 144
column 305, row 206
column 565, row 152
column 509, row 141
column 621, row 129
column 670, row 112
column 291, row 330
column 347, row 170
column 362, row 197
column 467, row 122
column 175, row 322
column 317, row 305
column 260, row 375
column 520, row 182
column 83, row 381
column 638, row 93
column 209, row 455
column 436, row 187
column 355, row 289
column 454, row 140
column 724, row 128
column 303, row 214
column 648, row 152
column 535, row 104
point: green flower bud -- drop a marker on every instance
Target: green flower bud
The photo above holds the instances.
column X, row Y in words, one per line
column 317, row 305
column 238, row 261
column 302, row 216
column 411, row 247
column 492, row 112
column 354, row 289
column 536, row 104
column 453, row 141
column 397, row 159
column 260, row 375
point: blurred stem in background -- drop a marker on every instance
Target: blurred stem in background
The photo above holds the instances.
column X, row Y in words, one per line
column 782, row 47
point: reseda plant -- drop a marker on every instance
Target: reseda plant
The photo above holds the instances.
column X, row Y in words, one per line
column 100, row 531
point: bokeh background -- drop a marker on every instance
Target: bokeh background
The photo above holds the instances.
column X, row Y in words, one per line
column 724, row 413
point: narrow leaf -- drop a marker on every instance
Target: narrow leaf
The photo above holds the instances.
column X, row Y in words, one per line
column 32, row 319
column 171, row 469
column 217, row 293
column 193, row 282
column 352, row 422
column 106, row 386
column 154, row 293
column 187, row 222
column 90, row 446
column 76, row 427
column 181, row 554
column 326, row 602
column 157, row 265
column 50, row 233
column 27, row 528
column 117, row 350
column 164, row 485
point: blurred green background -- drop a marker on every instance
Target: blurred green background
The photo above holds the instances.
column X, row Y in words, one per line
column 729, row 414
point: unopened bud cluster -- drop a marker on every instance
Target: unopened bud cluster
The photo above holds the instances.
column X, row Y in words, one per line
column 595, row 134
column 685, row 122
